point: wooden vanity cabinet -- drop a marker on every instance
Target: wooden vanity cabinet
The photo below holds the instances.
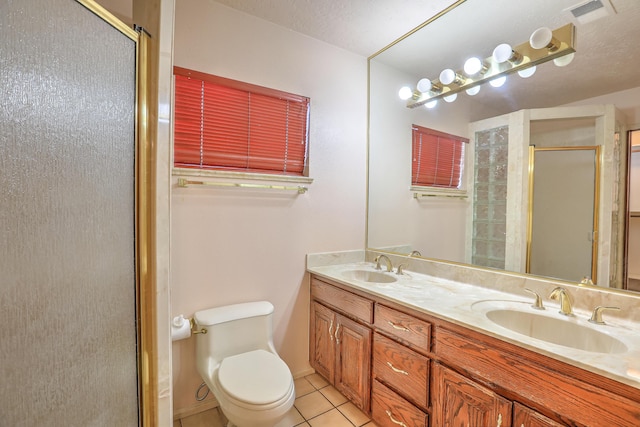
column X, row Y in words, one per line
column 340, row 346
column 408, row 368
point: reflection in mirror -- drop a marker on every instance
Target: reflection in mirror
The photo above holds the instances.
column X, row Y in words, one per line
column 601, row 84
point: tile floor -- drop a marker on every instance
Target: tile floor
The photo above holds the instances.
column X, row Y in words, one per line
column 317, row 404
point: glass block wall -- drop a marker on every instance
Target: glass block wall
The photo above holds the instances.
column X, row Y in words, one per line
column 490, row 197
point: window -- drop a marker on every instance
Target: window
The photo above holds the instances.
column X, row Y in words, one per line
column 225, row 124
column 438, row 158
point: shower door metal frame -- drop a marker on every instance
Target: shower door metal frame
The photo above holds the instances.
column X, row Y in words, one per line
column 596, row 201
column 144, row 220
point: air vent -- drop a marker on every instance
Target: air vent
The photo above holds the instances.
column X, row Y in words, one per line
column 590, row 11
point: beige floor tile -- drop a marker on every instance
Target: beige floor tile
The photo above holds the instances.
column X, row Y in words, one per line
column 332, row 418
column 293, row 418
column 354, row 414
column 370, row 424
column 333, row 395
column 210, row 418
column 303, row 386
column 317, row 381
column 312, row 405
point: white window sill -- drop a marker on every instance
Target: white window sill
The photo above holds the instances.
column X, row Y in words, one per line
column 419, row 191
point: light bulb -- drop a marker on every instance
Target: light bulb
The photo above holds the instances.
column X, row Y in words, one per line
column 431, row 104
column 497, row 82
column 451, row 98
column 405, row 93
column 447, row 76
column 424, row 85
column 543, row 37
column 563, row 61
column 527, row 72
column 502, row 53
column 472, row 66
column 473, row 91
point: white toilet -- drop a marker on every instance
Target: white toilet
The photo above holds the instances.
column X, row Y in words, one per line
column 237, row 361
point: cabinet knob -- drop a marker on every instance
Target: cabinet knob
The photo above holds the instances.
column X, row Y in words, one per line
column 330, row 330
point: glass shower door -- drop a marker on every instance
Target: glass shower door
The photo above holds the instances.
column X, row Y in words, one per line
column 67, row 217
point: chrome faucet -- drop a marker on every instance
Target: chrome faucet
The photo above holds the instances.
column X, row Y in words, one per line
column 387, row 261
column 561, row 294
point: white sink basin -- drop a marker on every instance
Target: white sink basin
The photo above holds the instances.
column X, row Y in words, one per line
column 550, row 327
column 369, row 276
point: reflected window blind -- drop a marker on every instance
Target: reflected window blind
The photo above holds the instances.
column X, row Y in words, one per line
column 438, row 158
column 236, row 126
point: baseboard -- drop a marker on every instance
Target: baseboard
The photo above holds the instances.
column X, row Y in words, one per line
column 195, row 409
column 303, row 373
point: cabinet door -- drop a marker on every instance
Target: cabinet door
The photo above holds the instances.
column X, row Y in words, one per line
column 353, row 362
column 527, row 417
column 322, row 350
column 458, row 401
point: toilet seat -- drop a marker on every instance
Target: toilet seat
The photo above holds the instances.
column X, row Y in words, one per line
column 256, row 377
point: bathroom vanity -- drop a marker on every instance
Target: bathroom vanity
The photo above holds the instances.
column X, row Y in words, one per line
column 415, row 355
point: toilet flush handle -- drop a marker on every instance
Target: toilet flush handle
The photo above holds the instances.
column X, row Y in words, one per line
column 195, row 331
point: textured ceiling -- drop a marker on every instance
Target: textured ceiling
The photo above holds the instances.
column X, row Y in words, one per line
column 360, row 26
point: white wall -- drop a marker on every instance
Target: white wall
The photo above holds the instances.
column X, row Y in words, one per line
column 436, row 225
column 627, row 101
column 232, row 245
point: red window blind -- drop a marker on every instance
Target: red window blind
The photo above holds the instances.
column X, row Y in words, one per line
column 231, row 125
column 437, row 158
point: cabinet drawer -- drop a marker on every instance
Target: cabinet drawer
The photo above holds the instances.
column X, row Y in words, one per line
column 401, row 369
column 350, row 304
column 388, row 409
column 404, row 327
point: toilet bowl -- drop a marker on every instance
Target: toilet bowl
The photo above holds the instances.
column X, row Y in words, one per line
column 237, row 360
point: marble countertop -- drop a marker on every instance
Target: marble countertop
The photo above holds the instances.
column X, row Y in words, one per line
column 459, row 303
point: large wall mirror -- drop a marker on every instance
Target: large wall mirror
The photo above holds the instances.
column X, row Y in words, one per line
column 569, row 110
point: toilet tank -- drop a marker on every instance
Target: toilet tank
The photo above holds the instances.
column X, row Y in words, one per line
column 233, row 329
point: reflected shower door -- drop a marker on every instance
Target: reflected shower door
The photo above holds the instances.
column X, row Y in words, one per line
column 67, row 213
column 564, row 213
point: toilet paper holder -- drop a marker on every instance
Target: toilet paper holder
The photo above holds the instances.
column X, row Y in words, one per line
column 195, row 331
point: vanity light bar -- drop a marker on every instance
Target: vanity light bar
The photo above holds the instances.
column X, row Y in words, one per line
column 564, row 37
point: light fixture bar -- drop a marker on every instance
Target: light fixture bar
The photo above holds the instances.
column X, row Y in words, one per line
column 566, row 36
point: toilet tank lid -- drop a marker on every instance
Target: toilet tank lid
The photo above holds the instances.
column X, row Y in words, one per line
column 228, row 313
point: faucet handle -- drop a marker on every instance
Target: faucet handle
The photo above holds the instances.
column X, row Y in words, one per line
column 596, row 317
column 399, row 269
column 537, row 304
